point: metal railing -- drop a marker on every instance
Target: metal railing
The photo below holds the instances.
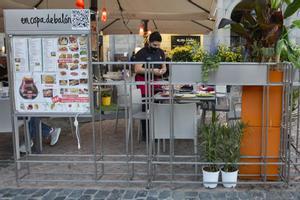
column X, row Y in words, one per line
column 143, row 163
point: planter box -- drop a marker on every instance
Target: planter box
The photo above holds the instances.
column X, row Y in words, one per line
column 227, row 74
column 296, row 78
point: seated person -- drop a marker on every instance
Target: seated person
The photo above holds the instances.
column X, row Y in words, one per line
column 47, row 133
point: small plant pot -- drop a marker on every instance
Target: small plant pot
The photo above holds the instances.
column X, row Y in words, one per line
column 210, row 179
column 106, row 101
column 229, row 179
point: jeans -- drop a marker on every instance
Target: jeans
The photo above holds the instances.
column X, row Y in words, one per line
column 33, row 127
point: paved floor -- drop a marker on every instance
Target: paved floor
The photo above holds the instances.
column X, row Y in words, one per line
column 87, row 194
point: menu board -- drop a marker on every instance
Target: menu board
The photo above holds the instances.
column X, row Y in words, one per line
column 51, row 74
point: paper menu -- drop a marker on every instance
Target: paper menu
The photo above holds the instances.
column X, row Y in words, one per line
column 35, row 52
column 50, row 54
column 20, row 54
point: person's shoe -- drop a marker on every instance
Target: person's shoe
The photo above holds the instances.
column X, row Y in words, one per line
column 22, row 148
column 54, row 136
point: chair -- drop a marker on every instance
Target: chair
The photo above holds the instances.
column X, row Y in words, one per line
column 231, row 103
column 185, row 122
column 222, row 98
column 234, row 113
column 123, row 102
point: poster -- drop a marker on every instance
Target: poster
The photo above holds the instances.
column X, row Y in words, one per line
column 35, row 52
column 20, row 54
column 50, row 54
column 61, row 83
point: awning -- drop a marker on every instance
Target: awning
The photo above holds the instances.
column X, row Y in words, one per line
column 124, row 16
column 166, row 16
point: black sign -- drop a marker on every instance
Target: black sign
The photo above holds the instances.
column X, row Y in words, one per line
column 180, row 40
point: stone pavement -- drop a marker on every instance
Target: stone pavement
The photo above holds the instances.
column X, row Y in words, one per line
column 142, row 194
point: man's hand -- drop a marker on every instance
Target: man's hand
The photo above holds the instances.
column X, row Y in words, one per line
column 156, row 72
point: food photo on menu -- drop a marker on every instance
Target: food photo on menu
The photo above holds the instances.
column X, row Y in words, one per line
column 74, row 73
column 63, row 82
column 83, row 81
column 28, row 89
column 47, row 93
column 73, row 82
column 63, row 48
column 83, row 66
column 63, row 73
column 62, row 40
column 83, row 51
column 82, row 40
column 74, row 67
column 49, row 79
column 62, row 65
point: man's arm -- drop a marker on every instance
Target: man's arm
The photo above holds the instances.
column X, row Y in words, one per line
column 139, row 69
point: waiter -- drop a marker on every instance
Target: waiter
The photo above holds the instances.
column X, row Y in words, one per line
column 150, row 53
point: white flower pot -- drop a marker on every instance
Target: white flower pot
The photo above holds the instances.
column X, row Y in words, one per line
column 208, row 177
column 229, row 179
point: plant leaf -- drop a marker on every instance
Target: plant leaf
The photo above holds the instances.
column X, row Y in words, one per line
column 296, row 24
column 292, row 8
column 224, row 22
column 245, row 5
column 249, row 17
column 239, row 29
column 275, row 4
column 288, row 1
column 260, row 9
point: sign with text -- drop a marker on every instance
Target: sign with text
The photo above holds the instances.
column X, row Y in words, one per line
column 180, row 40
column 47, row 20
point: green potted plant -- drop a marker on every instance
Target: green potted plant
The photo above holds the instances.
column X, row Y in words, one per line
column 231, row 136
column 261, row 24
column 209, row 135
column 106, row 98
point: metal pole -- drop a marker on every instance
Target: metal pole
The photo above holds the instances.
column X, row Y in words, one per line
column 263, row 172
column 290, row 94
column 267, row 129
column 127, row 113
column 172, row 132
column 101, row 130
column 27, row 142
column 16, row 147
column 131, row 126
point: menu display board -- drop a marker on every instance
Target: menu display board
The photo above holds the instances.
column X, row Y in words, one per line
column 51, row 74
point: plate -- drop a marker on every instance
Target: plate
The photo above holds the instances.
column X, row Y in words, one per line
column 188, row 95
column 205, row 95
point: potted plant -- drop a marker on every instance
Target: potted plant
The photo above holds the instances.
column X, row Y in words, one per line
column 106, row 98
column 261, row 24
column 209, row 134
column 231, row 136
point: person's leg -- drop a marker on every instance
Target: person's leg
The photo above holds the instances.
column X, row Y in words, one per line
column 53, row 133
column 32, row 127
column 46, row 130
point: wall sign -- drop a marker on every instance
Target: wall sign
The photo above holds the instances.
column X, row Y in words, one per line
column 180, row 40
